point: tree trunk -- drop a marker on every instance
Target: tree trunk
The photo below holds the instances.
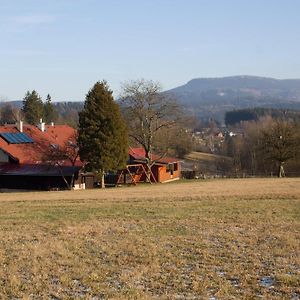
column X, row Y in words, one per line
column 253, row 163
column 102, row 182
column 67, row 183
column 72, row 184
column 148, row 166
column 281, row 170
column 69, row 187
column 148, row 173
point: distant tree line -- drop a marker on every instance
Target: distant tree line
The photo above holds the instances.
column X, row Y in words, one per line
column 254, row 114
column 68, row 112
column 33, row 109
column 266, row 146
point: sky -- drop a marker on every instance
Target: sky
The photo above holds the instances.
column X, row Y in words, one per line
column 63, row 47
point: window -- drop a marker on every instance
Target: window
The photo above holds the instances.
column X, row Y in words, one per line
column 175, row 166
column 170, row 168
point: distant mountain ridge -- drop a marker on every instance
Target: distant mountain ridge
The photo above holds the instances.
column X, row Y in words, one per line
column 212, row 97
column 254, row 85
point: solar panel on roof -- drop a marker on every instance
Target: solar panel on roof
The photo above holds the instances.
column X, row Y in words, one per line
column 11, row 138
column 23, row 138
column 16, row 138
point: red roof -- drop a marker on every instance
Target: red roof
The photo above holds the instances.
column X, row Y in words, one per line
column 140, row 154
column 32, row 153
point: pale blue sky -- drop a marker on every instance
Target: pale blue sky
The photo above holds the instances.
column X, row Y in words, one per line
column 63, row 47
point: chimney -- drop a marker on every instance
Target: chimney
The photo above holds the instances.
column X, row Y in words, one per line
column 20, row 126
column 52, row 124
column 42, row 125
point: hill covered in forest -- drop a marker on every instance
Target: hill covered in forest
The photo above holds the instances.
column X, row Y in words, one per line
column 213, row 97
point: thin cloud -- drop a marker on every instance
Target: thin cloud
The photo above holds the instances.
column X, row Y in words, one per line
column 25, row 22
column 32, row 19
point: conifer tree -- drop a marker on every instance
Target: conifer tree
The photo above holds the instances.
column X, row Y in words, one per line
column 50, row 114
column 102, row 134
column 32, row 107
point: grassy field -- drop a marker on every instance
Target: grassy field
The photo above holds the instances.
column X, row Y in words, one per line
column 209, row 164
column 219, row 239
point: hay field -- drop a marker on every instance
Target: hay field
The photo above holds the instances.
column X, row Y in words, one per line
column 219, row 239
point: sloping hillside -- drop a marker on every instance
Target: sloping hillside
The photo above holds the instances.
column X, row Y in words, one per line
column 206, row 163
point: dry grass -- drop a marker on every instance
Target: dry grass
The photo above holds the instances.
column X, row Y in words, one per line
column 222, row 239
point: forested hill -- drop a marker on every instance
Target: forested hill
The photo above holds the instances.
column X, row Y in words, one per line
column 203, row 89
column 212, row 97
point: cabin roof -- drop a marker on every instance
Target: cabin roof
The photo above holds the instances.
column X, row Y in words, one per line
column 139, row 154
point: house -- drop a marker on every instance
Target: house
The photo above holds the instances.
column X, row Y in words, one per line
column 22, row 157
column 164, row 169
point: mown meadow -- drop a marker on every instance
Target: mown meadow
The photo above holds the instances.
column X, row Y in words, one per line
column 206, row 239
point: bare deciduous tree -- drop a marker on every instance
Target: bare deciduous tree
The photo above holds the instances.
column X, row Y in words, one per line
column 64, row 155
column 9, row 114
column 148, row 113
column 281, row 142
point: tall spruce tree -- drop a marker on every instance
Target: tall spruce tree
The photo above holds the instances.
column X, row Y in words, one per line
column 102, row 134
column 50, row 113
column 33, row 107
